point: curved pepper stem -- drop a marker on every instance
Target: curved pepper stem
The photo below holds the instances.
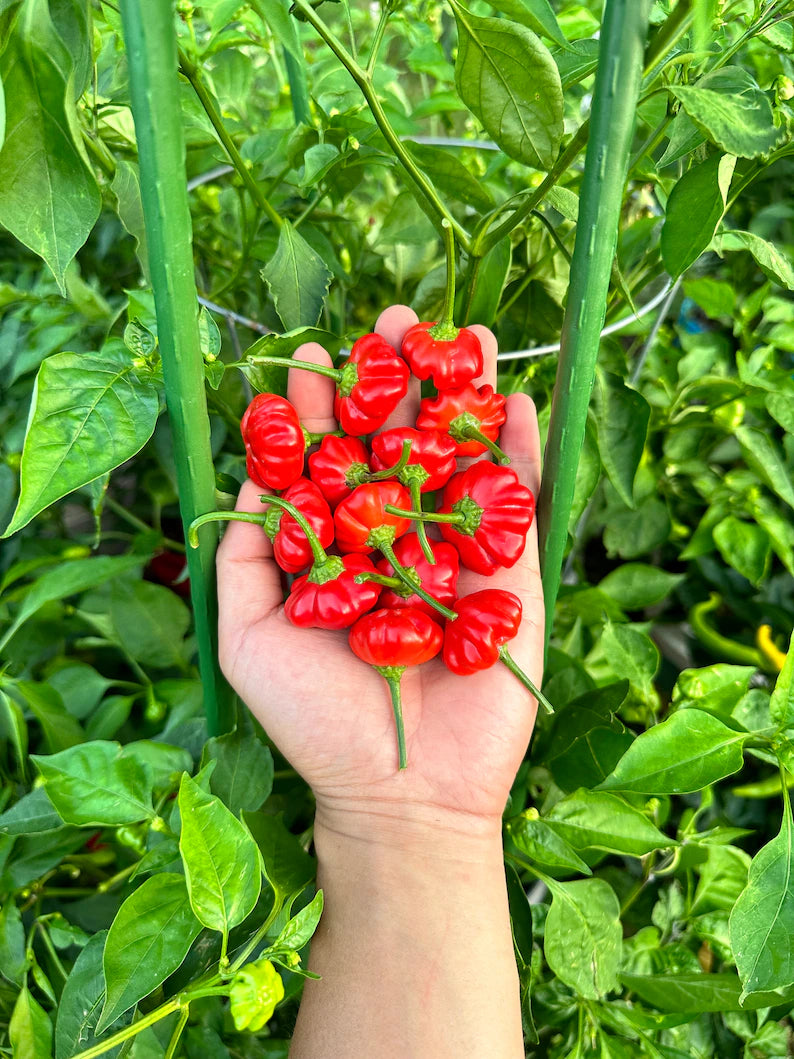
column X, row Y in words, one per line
column 415, row 489
column 393, row 472
column 393, row 675
column 517, row 671
column 445, row 330
column 304, row 365
column 455, row 518
column 466, row 427
column 319, row 553
column 407, row 580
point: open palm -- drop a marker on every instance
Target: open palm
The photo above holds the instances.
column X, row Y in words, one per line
column 330, row 713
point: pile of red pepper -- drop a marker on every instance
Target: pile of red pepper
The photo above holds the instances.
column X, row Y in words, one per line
column 395, row 588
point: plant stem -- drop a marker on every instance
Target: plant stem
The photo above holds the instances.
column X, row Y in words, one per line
column 319, row 553
column 454, row 518
column 507, row 659
column 393, row 676
column 409, row 582
column 290, row 362
column 445, row 330
column 173, row 1044
column 377, row 40
column 415, row 490
column 275, row 911
column 427, row 192
column 154, row 88
column 617, row 86
column 191, row 72
column 132, row 1030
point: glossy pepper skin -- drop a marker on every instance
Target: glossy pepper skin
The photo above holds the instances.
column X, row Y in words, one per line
column 274, row 441
column 291, row 549
column 396, row 638
column 328, row 596
column 432, row 459
column 450, row 364
column 440, row 581
column 455, row 410
column 338, row 466
column 486, row 620
column 363, row 512
column 498, row 511
column 372, row 383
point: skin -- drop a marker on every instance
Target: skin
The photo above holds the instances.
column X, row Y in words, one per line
column 414, row 947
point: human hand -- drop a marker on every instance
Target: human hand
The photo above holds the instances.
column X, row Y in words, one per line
column 328, row 712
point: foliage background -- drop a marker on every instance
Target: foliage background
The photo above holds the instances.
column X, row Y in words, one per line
column 671, row 878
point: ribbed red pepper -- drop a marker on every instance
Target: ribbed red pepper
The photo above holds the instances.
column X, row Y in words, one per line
column 338, row 466
column 362, row 522
column 430, row 464
column 471, row 416
column 329, row 597
column 495, row 512
column 372, row 383
column 450, row 362
column 274, row 441
column 390, row 640
column 291, row 549
column 439, row 580
column 486, row 620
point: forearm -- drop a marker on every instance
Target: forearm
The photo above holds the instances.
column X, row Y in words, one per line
column 414, row 948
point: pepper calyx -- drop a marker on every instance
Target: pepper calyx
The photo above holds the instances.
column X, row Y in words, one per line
column 328, row 570
column 472, row 515
column 348, row 377
column 444, row 331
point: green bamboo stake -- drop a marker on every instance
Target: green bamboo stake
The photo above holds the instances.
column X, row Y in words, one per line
column 617, row 85
column 152, row 55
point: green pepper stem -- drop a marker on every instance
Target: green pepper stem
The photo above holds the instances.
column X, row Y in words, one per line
column 445, row 330
column 316, row 438
column 379, row 579
column 304, row 365
column 319, row 553
column 473, row 434
column 403, row 575
column 400, row 465
column 421, row 531
column 393, row 675
column 517, row 671
column 454, row 518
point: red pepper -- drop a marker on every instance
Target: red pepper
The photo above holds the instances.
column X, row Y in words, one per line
column 472, row 416
column 475, row 639
column 440, row 580
column 291, row 548
column 338, row 466
column 329, row 597
column 486, row 513
column 274, row 441
column 390, row 640
column 374, row 381
column 431, row 463
column 362, row 522
column 451, row 355
column 369, row 386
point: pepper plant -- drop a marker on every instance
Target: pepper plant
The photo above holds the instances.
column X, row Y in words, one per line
column 191, row 194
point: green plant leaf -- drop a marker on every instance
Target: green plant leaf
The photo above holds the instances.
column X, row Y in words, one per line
column 729, row 107
column 69, row 579
column 762, row 920
column 49, row 198
column 13, row 952
column 723, row 876
column 96, row 783
column 583, row 936
column 302, row 926
column 450, row 176
column 277, row 15
column 243, row 776
column 150, row 622
column 781, row 705
column 694, row 209
column 14, row 729
column 622, row 415
column 691, row 993
column 81, row 1002
column 298, row 279
column 543, row 845
column 507, row 78
column 148, row 939
column 288, row 868
column 763, row 456
column 630, row 653
column 33, row 812
column 587, row 740
column 637, row 585
column 221, row 859
column 59, row 728
column 772, row 262
column 30, row 1030
column 491, row 278
column 685, row 753
column 91, row 412
column 743, row 545
column 126, row 186
column 597, row 820
column 536, row 15
column 716, row 688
